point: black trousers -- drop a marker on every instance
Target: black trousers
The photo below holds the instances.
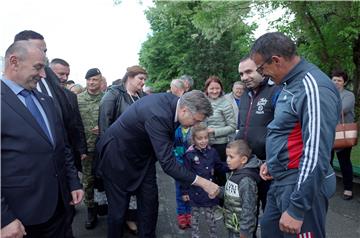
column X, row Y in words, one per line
column 220, row 178
column 263, row 188
column 53, row 228
column 69, row 218
column 147, row 205
column 345, row 166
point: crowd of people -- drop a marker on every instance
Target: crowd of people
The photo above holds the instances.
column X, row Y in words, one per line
column 266, row 145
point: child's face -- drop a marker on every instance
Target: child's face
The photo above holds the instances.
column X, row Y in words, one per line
column 201, row 139
column 235, row 160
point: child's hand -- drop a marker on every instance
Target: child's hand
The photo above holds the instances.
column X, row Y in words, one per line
column 185, row 198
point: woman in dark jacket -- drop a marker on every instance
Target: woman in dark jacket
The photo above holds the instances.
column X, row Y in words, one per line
column 115, row 101
column 119, row 97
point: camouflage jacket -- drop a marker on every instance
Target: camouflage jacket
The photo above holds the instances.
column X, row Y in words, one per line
column 240, row 198
column 89, row 111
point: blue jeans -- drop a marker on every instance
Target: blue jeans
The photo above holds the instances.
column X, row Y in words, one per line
column 181, row 206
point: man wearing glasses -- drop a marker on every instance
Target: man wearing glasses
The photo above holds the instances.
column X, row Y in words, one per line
column 299, row 141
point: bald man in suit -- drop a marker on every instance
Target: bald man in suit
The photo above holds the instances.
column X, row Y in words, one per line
column 38, row 177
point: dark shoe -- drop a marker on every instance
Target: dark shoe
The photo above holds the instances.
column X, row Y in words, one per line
column 91, row 218
column 347, row 197
column 102, row 210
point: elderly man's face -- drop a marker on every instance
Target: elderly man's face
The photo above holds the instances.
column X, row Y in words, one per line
column 30, row 70
column 176, row 91
column 238, row 90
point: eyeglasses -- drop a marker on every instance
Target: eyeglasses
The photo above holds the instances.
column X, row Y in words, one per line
column 260, row 69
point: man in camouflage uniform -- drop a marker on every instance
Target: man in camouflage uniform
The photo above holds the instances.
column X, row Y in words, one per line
column 89, row 101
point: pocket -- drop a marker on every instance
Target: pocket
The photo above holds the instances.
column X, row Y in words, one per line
column 328, row 188
column 15, row 181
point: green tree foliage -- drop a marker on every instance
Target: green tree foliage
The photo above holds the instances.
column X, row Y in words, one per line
column 202, row 38
column 328, row 34
column 185, row 41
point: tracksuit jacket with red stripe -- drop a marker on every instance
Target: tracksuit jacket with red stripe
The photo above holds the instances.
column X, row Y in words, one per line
column 301, row 136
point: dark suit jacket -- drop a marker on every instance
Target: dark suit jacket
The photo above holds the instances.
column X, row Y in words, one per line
column 66, row 102
column 144, row 132
column 33, row 170
column 76, row 134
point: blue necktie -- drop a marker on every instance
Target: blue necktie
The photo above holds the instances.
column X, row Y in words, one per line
column 30, row 104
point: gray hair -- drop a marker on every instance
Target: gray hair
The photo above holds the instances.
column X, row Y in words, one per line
column 21, row 49
column 187, row 78
column 147, row 89
column 274, row 43
column 77, row 87
column 178, row 83
column 196, row 102
column 238, row 83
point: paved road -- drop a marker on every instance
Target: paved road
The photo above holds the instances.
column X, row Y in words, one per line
column 343, row 219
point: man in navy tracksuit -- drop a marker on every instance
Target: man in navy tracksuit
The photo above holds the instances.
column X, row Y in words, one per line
column 299, row 141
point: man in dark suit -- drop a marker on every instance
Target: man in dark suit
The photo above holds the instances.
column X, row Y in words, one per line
column 130, row 147
column 64, row 103
column 38, row 177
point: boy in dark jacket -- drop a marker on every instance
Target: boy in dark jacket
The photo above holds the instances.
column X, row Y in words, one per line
column 240, row 192
column 203, row 160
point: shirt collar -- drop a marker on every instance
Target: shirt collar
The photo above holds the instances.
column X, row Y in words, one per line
column 16, row 88
column 176, row 111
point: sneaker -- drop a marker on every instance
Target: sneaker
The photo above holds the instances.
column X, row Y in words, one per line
column 182, row 222
column 218, row 214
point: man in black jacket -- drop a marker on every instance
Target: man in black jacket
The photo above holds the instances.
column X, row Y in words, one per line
column 62, row 70
column 256, row 111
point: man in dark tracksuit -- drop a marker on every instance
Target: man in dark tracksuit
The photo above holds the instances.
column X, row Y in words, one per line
column 299, row 141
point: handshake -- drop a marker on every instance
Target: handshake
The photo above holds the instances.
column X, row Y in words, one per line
column 211, row 188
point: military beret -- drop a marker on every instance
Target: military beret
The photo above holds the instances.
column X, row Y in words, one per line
column 92, row 72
